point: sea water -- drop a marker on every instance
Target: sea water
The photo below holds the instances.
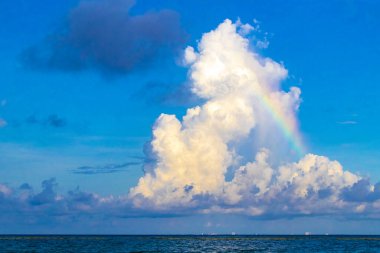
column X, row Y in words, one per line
column 188, row 243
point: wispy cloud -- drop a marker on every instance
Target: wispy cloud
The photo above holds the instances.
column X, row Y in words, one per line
column 347, row 122
column 104, row 169
column 3, row 123
column 52, row 120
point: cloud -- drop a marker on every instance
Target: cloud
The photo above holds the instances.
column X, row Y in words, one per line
column 362, row 191
column 262, row 43
column 24, row 203
column 348, row 122
column 47, row 195
column 245, row 112
column 171, row 94
column 3, row 123
column 197, row 150
column 55, row 121
column 52, row 120
column 109, row 168
column 103, row 35
column 48, row 208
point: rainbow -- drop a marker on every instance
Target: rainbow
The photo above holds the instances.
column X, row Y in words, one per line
column 288, row 125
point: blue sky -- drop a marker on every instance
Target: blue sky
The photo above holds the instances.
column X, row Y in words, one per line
column 85, row 122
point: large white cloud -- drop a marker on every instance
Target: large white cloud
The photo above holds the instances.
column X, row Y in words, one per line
column 193, row 155
column 244, row 106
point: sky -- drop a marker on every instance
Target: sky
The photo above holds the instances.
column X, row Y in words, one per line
column 149, row 117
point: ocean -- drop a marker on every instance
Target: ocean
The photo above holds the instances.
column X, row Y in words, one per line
column 189, row 243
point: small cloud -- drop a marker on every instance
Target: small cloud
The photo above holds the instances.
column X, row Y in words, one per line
column 360, row 208
column 189, row 56
column 260, row 38
column 47, row 195
column 245, row 29
column 3, row 123
column 53, row 120
column 347, row 122
column 262, row 44
column 25, row 186
column 5, row 190
column 104, row 169
column 3, row 102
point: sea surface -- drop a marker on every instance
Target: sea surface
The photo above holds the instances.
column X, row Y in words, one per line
column 188, row 243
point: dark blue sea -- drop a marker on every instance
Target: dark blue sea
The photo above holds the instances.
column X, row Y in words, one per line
column 188, row 243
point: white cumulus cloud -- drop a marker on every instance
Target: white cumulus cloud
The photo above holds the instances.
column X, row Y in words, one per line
column 223, row 155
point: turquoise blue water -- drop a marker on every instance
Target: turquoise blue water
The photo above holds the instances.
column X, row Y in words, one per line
column 273, row 243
